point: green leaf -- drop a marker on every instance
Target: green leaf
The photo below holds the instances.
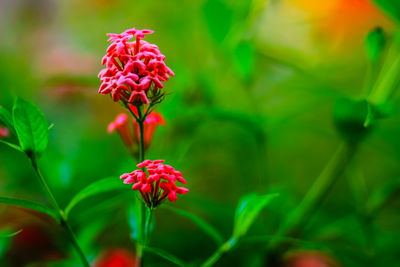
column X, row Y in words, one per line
column 11, row 145
column 98, row 187
column 247, row 211
column 391, row 7
column 383, row 195
column 31, row 127
column 375, row 43
column 166, row 255
column 29, row 205
column 11, row 234
column 244, row 59
column 219, row 18
column 6, row 120
column 207, row 228
column 136, row 221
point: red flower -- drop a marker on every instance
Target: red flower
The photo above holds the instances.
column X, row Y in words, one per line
column 150, row 124
column 116, row 258
column 132, row 68
column 309, row 258
column 4, row 132
column 157, row 183
column 123, row 125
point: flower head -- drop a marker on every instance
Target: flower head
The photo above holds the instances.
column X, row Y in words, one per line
column 134, row 70
column 4, row 132
column 156, row 182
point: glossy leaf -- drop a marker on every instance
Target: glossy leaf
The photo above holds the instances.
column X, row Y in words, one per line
column 31, row 127
column 29, row 205
column 207, row 228
column 98, row 187
column 247, row 211
column 166, row 255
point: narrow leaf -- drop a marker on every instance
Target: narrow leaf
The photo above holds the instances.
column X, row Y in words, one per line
column 11, row 145
column 247, row 211
column 31, row 127
column 11, row 234
column 98, row 187
column 207, row 228
column 166, row 255
column 29, row 205
column 6, row 120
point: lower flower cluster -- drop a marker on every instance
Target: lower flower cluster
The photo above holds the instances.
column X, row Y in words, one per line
column 156, row 182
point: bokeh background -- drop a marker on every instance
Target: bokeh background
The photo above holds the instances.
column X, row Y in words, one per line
column 249, row 110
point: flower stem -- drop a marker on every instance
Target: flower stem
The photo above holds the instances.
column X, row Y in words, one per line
column 388, row 80
column 319, row 190
column 225, row 247
column 63, row 221
column 140, row 245
column 147, row 227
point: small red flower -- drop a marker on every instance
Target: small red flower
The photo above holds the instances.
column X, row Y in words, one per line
column 117, row 257
column 121, row 124
column 133, row 68
column 131, row 138
column 156, row 182
column 4, row 132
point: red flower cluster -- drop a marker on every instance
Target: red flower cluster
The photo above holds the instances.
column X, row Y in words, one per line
column 123, row 125
column 132, row 68
column 117, row 257
column 158, row 183
column 4, row 132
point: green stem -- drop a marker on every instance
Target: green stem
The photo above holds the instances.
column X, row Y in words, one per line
column 147, row 227
column 142, row 240
column 318, row 191
column 219, row 252
column 74, row 241
column 389, row 77
column 63, row 221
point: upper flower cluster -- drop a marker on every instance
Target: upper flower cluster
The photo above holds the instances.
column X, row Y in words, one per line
column 158, row 183
column 132, row 68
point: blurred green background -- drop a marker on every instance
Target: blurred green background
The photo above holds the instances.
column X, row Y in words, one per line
column 251, row 109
